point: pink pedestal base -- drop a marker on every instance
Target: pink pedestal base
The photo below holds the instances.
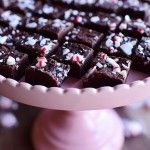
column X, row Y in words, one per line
column 87, row 130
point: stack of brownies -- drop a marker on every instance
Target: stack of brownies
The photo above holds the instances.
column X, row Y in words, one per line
column 97, row 41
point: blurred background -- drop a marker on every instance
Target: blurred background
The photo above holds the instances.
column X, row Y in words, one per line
column 16, row 121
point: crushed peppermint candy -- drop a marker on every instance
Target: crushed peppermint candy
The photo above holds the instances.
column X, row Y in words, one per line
column 41, row 62
column 11, row 61
column 118, row 66
column 118, row 43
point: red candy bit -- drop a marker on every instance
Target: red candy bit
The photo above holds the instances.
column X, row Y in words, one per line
column 140, row 30
column 104, row 56
column 41, row 62
column 78, row 19
column 77, row 58
column 43, row 49
column 116, row 69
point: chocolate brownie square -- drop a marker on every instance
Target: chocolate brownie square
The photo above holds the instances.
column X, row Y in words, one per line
column 135, row 28
column 107, row 71
column 135, row 9
column 97, row 21
column 104, row 22
column 78, row 56
column 57, row 29
column 49, row 10
column 12, row 62
column 109, row 6
column 34, row 24
column 34, row 44
column 47, row 72
column 84, row 36
column 10, row 18
column 141, row 57
column 119, row 45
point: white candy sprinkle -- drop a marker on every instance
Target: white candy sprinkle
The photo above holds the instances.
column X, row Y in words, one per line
column 31, row 41
column 109, row 43
column 95, row 19
column 31, row 25
column 3, row 39
column 127, row 48
column 127, row 18
column 11, row 61
column 99, row 65
column 123, row 26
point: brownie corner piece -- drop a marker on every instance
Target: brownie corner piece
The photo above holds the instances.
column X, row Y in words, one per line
column 12, row 62
column 47, row 72
column 107, row 71
column 57, row 29
column 118, row 44
column 84, row 36
column 135, row 27
column 141, row 56
column 35, row 44
column 78, row 56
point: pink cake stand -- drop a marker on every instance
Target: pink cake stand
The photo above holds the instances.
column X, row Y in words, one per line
column 66, row 126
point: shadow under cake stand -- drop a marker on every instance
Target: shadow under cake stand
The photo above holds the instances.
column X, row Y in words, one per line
column 78, row 119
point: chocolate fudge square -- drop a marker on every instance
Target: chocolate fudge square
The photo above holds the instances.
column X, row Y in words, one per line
column 35, row 44
column 118, row 44
column 12, row 62
column 57, row 29
column 47, row 72
column 78, row 56
column 109, row 6
column 34, row 24
column 107, row 71
column 135, row 28
column 104, row 22
column 84, row 36
column 10, row 18
column 141, row 57
column 50, row 11
column 135, row 9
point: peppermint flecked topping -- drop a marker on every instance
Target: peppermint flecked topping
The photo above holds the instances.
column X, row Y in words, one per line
column 116, row 64
column 24, row 4
column 60, row 70
column 60, row 24
column 73, row 52
column 73, row 57
column 143, row 49
column 12, row 18
column 31, row 41
column 138, row 25
column 116, row 42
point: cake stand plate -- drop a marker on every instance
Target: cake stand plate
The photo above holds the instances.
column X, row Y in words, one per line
column 67, row 126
